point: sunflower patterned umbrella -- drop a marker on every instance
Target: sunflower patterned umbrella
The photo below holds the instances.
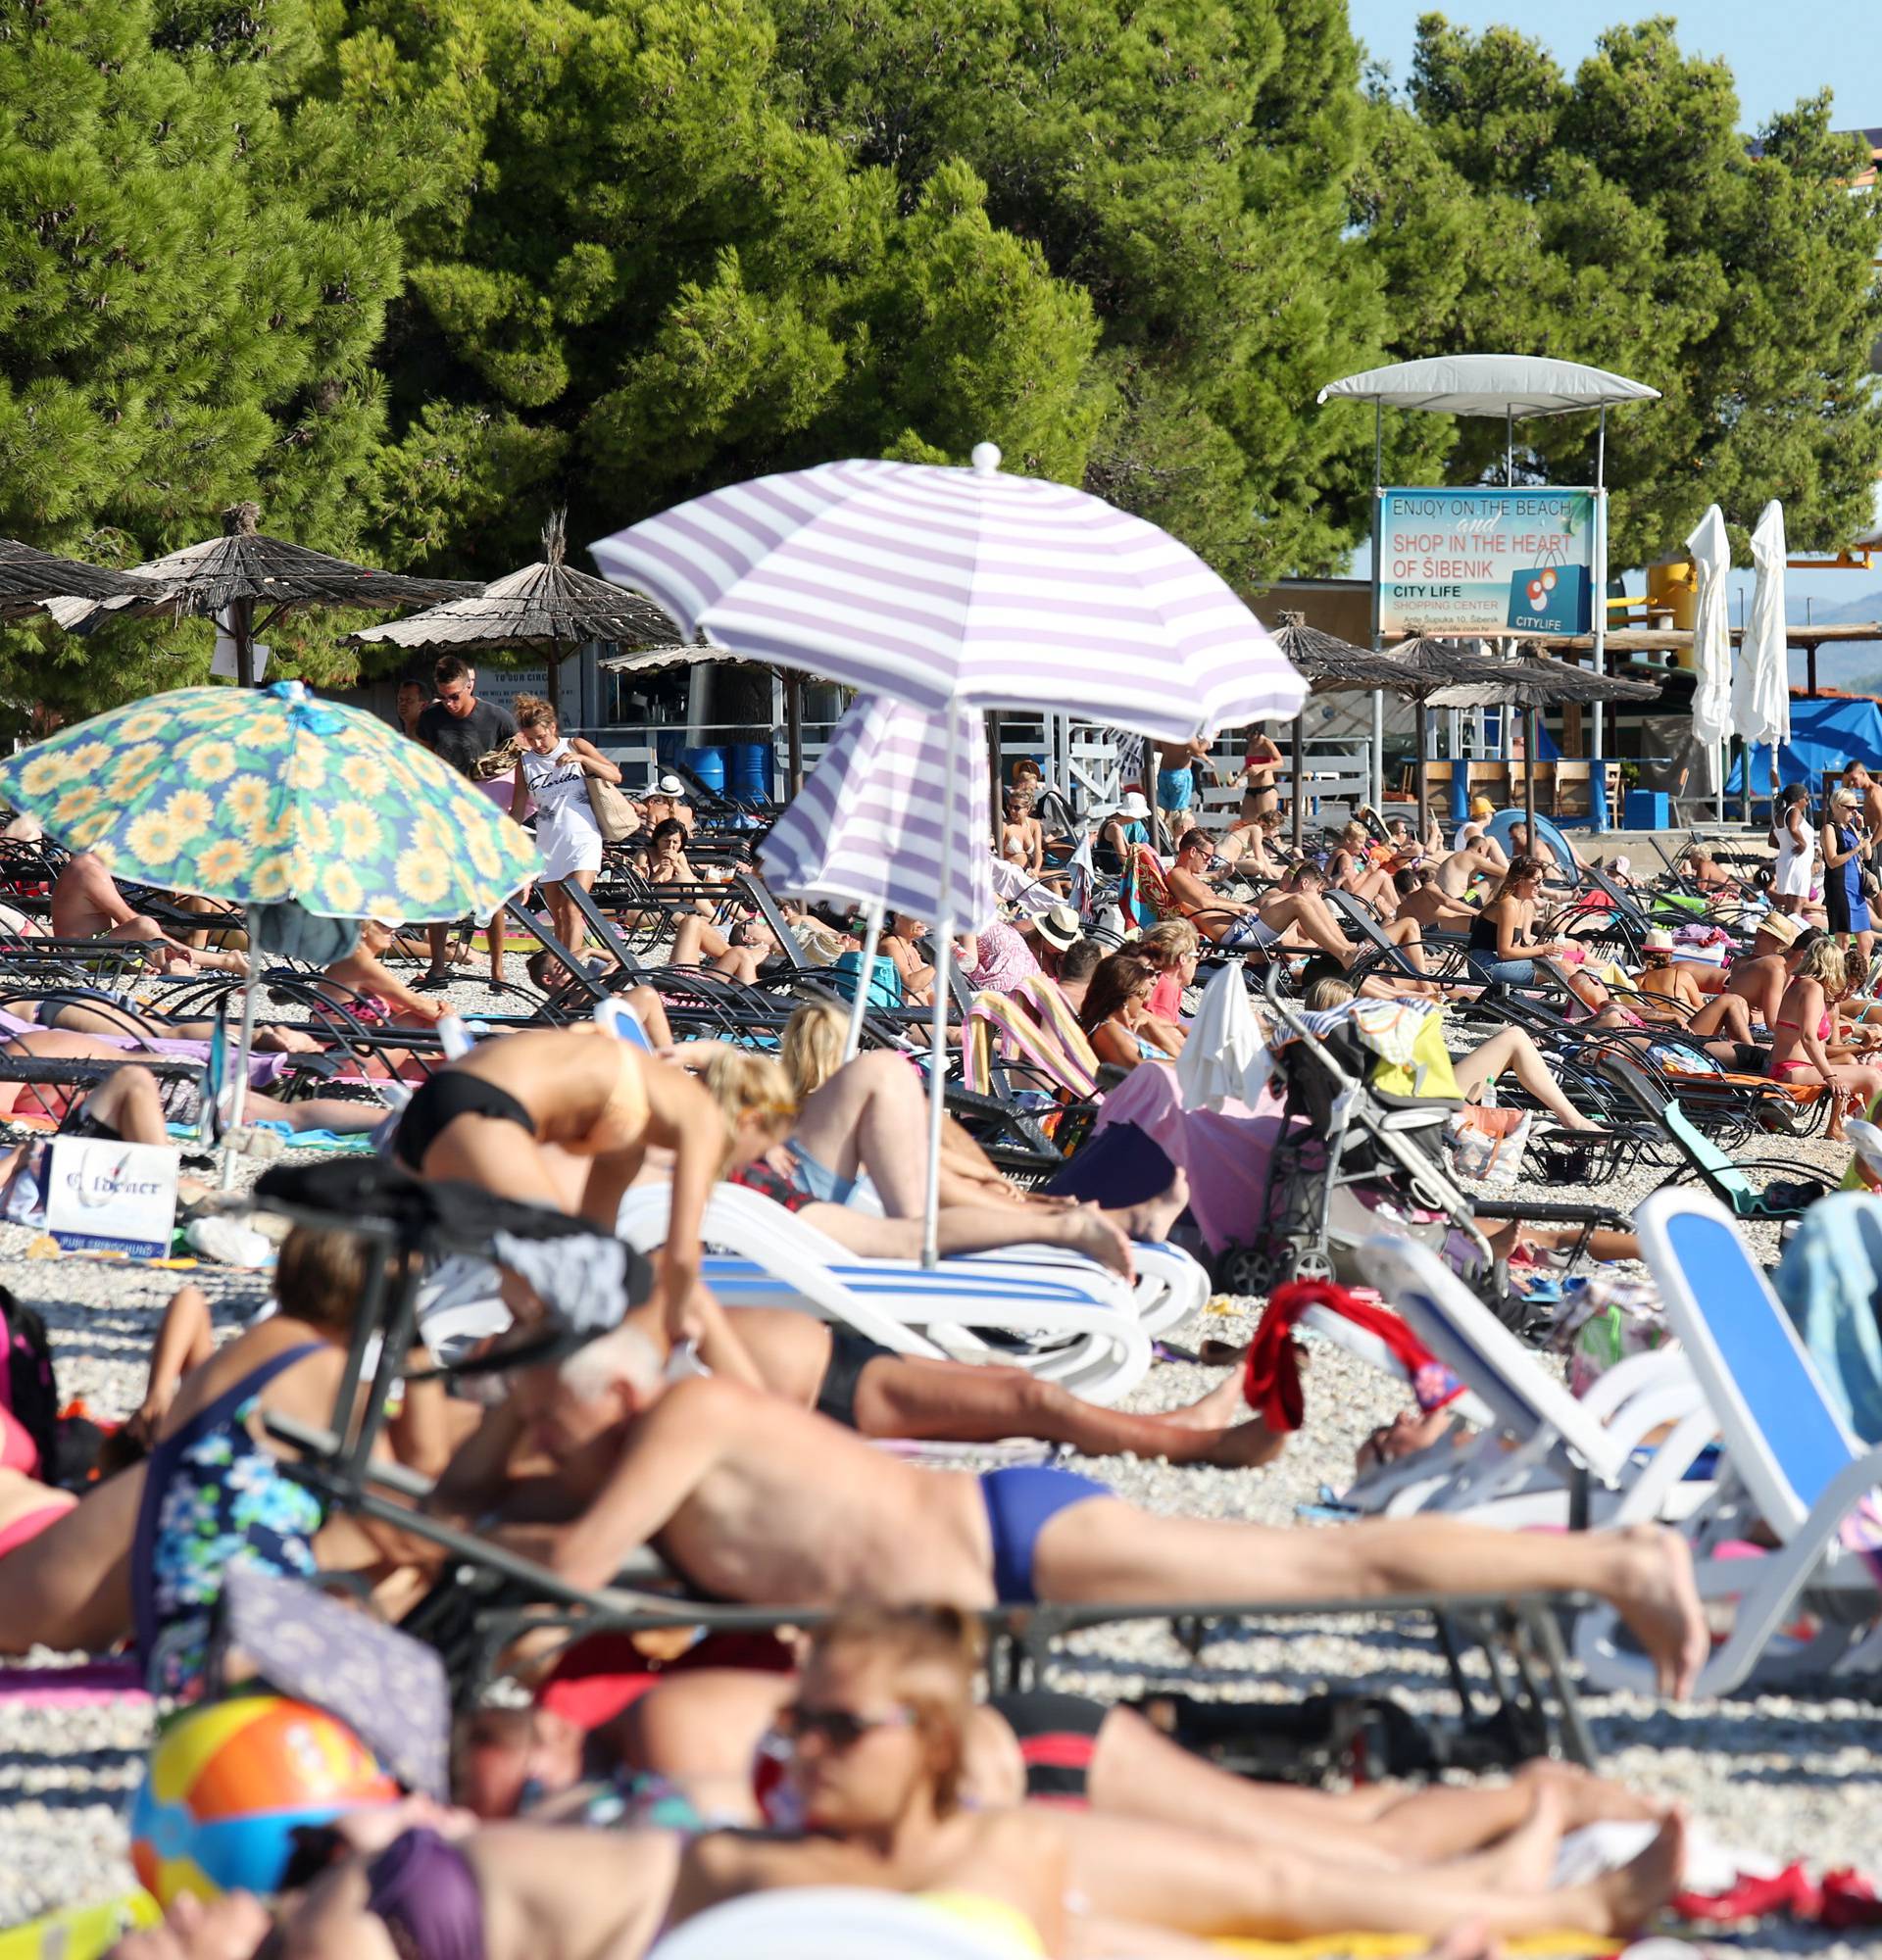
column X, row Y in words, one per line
column 259, row 796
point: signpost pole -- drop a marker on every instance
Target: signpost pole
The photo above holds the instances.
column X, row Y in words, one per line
column 1378, row 574
column 1596, row 784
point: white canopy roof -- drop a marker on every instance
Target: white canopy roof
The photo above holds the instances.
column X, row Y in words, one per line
column 1869, row 540
column 1490, row 384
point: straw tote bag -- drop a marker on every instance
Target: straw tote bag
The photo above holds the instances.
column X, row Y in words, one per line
column 614, row 816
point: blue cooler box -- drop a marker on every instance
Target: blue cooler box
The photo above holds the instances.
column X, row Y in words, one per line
column 1647, row 810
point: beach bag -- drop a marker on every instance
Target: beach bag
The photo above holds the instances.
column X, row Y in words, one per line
column 1488, row 1144
column 1606, row 1320
column 614, row 816
column 885, row 982
column 27, row 1392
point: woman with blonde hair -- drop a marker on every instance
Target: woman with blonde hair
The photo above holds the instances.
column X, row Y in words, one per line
column 552, row 774
column 1172, row 948
column 1804, row 1036
column 813, row 1045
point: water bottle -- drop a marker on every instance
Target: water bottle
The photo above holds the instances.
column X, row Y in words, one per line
column 455, row 1037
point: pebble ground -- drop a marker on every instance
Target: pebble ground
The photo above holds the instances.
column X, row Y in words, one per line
column 1787, row 1776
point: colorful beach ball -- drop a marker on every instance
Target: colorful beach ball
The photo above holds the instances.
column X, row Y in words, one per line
column 228, row 1784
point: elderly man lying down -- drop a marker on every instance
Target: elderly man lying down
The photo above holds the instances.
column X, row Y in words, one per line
column 755, row 1500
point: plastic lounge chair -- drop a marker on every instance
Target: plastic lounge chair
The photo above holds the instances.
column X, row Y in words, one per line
column 1792, row 1187
column 1573, row 1458
column 771, row 1258
column 1171, row 1284
column 1787, row 1465
column 828, row 1922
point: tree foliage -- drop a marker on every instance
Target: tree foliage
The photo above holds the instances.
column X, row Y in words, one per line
column 655, row 279
column 196, row 256
column 411, row 271
column 1619, row 218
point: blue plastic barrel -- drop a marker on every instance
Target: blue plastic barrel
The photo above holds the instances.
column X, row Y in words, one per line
column 751, row 775
column 667, row 744
column 707, row 764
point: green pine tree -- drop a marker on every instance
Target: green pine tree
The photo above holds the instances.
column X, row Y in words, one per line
column 1619, row 217
column 196, row 257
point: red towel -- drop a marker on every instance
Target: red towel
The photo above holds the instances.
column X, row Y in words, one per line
column 1272, row 1385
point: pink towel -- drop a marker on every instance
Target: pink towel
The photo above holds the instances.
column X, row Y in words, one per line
column 1226, row 1155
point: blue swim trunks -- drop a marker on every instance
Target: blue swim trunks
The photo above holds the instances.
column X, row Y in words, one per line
column 1176, row 788
column 1021, row 1503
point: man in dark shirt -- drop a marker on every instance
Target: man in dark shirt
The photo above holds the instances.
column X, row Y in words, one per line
column 460, row 728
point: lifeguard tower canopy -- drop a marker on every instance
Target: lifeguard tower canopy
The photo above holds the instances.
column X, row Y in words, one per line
column 1503, row 385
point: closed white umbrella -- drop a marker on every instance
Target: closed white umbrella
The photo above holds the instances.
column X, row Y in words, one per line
column 870, row 824
column 1761, row 683
column 1711, row 551
column 961, row 588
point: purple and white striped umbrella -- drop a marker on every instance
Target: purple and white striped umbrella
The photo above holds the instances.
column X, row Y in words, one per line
column 869, row 823
column 943, row 585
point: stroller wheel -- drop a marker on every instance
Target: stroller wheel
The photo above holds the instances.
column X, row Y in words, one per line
column 1305, row 1261
column 1244, row 1269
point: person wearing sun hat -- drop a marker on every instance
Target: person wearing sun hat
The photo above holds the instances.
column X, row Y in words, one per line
column 1760, row 975
column 666, row 801
column 1052, row 935
column 1716, row 1020
column 1127, row 826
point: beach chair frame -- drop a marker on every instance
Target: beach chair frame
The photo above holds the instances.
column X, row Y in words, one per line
column 1801, row 1484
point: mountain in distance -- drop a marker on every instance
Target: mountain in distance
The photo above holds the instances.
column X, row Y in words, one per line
column 1815, row 613
column 1854, row 666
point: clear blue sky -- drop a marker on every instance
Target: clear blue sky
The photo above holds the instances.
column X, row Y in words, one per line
column 1777, row 51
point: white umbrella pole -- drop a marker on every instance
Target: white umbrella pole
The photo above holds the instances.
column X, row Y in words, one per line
column 238, row 1102
column 943, row 963
column 871, row 937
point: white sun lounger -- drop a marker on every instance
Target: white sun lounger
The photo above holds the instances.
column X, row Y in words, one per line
column 1098, row 1346
column 1787, row 1463
column 828, row 1922
column 1171, row 1284
column 1545, row 1457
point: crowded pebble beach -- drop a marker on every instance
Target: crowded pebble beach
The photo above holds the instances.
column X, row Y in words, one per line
column 940, row 1010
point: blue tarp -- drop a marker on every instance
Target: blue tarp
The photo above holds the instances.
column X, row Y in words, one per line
column 1824, row 735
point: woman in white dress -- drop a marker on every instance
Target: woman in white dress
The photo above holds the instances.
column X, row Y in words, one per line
column 1793, row 875
column 553, row 775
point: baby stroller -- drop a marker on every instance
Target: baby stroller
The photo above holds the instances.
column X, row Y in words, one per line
column 1361, row 1142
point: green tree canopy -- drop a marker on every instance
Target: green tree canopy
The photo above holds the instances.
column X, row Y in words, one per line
column 655, row 279
column 196, row 256
column 1619, row 218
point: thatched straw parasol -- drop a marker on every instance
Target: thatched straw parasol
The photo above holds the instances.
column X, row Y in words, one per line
column 1330, row 665
column 1426, row 666
column 28, row 578
column 234, row 572
column 545, row 605
column 1532, row 681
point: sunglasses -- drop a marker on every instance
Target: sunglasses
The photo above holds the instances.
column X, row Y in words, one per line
column 839, row 1730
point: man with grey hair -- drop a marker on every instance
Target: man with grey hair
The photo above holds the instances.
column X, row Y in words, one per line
column 752, row 1498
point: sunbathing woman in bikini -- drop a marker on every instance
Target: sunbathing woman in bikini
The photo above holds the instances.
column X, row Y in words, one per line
column 562, row 1117
column 880, row 1731
column 1803, row 1037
